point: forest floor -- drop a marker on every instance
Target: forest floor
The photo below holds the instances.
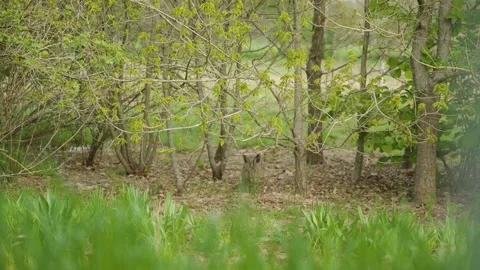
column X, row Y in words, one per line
column 328, row 183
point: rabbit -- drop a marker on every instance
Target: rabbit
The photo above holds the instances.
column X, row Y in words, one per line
column 252, row 172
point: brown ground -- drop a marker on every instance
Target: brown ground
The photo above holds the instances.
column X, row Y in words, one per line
column 380, row 187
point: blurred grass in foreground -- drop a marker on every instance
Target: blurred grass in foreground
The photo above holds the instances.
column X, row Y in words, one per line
column 64, row 230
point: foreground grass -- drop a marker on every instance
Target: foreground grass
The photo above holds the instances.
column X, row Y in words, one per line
column 69, row 231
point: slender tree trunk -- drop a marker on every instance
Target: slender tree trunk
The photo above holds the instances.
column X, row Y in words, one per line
column 223, row 144
column 226, row 131
column 122, row 151
column 179, row 185
column 314, row 76
column 425, row 170
column 358, row 166
column 179, row 182
column 149, row 142
column 223, row 102
column 298, row 136
column 199, row 88
column 134, row 162
column 221, row 156
column 221, row 148
column 362, row 134
column 216, row 173
column 150, row 139
column 97, row 143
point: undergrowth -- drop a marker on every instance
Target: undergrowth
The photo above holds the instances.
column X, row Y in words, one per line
column 65, row 230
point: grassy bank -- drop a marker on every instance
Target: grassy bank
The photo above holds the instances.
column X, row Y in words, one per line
column 61, row 230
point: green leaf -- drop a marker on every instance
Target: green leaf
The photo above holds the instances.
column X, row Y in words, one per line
column 389, row 140
column 408, row 75
column 396, row 73
column 407, row 116
column 387, row 148
column 392, row 61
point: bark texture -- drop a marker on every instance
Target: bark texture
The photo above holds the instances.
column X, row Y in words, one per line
column 362, row 125
column 298, row 136
column 314, row 75
column 179, row 183
column 99, row 139
column 425, row 82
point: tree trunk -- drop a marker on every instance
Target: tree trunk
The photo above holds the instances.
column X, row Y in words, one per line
column 223, row 144
column 314, row 75
column 97, row 143
column 173, row 157
column 298, row 136
column 223, row 102
column 221, row 148
column 362, row 125
column 134, row 162
column 122, row 151
column 216, row 173
column 425, row 170
column 424, row 189
column 221, row 156
column 149, row 142
column 226, row 131
column 358, row 167
column 179, row 183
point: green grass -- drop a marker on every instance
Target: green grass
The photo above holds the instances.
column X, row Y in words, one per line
column 64, row 230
